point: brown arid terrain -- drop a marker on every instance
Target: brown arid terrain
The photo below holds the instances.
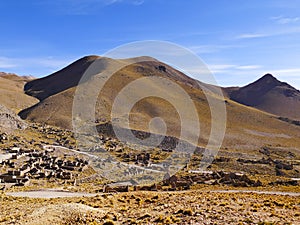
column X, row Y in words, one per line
column 12, row 92
column 10, row 121
column 270, row 95
column 188, row 207
column 244, row 124
column 57, row 90
column 254, row 179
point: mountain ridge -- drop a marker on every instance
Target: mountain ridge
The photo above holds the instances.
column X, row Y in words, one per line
column 267, row 93
column 55, row 107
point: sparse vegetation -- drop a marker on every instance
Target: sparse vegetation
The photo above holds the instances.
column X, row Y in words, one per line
column 248, row 208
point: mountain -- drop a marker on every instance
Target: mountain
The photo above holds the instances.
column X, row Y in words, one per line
column 56, row 92
column 12, row 94
column 270, row 95
column 247, row 129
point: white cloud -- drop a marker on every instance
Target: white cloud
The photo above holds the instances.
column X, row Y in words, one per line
column 295, row 72
column 230, row 68
column 225, row 70
column 270, row 33
column 137, row 2
column 251, row 35
column 249, row 67
column 253, row 69
column 103, row 2
column 274, row 32
column 110, row 2
column 285, row 20
column 85, row 7
column 47, row 62
column 6, row 63
column 221, row 66
column 211, row 48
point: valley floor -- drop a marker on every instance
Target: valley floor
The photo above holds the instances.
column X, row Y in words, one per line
column 260, row 186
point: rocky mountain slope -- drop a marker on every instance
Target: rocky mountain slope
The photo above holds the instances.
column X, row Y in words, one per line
column 270, row 95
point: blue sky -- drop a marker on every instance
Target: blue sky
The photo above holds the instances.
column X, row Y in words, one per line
column 239, row 40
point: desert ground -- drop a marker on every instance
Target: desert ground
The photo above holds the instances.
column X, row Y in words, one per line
column 181, row 207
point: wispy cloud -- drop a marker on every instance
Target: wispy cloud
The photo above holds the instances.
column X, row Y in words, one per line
column 225, row 69
column 230, row 68
column 270, row 33
column 258, row 69
column 46, row 62
column 274, row 31
column 110, row 2
column 221, row 67
column 6, row 63
column 285, row 20
column 211, row 48
column 295, row 72
column 252, row 35
column 249, row 67
column 85, row 7
column 137, row 2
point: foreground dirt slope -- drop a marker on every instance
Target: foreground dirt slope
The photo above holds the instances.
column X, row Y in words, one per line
column 193, row 207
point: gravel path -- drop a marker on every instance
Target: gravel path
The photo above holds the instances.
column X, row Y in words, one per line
column 49, row 194
column 52, row 193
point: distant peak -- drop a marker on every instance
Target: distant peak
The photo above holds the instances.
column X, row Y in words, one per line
column 3, row 74
column 269, row 76
column 269, row 79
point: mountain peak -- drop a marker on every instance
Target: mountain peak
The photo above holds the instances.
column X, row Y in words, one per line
column 269, row 80
column 270, row 95
column 268, row 76
column 264, row 84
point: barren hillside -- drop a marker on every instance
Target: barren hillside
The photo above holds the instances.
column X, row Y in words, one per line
column 270, row 95
column 12, row 93
column 247, row 128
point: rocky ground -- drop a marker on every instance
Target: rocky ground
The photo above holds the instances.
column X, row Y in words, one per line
column 10, row 121
column 188, row 207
